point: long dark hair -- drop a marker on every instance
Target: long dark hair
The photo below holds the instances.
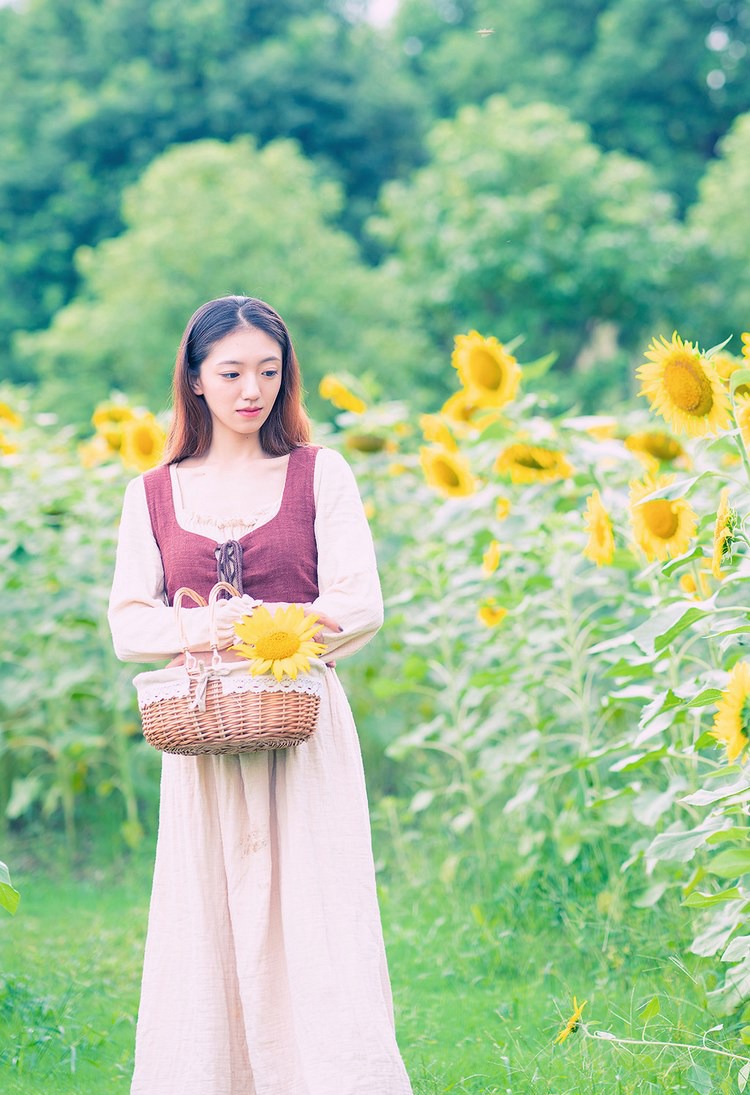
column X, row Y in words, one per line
column 190, row 432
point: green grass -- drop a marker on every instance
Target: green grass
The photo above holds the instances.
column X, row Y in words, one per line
column 484, row 969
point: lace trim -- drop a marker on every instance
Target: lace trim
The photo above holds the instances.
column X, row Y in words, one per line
column 154, row 692
column 224, row 523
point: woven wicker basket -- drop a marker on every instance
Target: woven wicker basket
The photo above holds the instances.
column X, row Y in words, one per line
column 216, row 706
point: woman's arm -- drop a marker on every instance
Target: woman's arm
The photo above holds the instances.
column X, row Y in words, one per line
column 348, row 584
column 144, row 627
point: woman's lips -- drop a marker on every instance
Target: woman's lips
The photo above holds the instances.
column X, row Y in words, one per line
column 250, row 412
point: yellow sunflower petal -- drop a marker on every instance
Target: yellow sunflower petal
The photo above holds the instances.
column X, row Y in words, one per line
column 532, row 463
column 684, row 387
column 600, row 547
column 662, row 527
column 448, row 472
column 732, row 719
column 490, row 375
column 332, row 389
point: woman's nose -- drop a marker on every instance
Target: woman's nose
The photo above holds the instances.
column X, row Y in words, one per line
column 250, row 389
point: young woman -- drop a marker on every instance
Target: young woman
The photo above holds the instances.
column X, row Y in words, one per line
column 264, row 971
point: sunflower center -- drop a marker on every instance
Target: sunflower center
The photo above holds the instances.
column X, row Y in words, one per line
column 528, row 460
column 447, row 473
column 689, row 388
column 661, row 446
column 661, row 519
column 486, row 371
column 745, row 717
column 277, row 645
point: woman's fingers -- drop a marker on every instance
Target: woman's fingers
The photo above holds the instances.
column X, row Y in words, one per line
column 328, row 622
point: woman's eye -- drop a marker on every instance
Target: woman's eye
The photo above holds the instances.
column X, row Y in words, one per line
column 230, row 376
column 270, row 372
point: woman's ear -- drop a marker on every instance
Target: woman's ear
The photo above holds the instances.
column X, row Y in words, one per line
column 196, row 386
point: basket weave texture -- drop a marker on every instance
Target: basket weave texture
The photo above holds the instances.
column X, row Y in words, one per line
column 236, row 723
column 218, row 707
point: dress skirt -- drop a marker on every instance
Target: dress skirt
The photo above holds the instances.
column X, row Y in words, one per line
column 265, row 969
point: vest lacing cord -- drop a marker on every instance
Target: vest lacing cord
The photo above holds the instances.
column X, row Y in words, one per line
column 229, row 564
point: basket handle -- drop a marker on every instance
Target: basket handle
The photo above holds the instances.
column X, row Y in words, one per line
column 180, row 595
column 213, row 598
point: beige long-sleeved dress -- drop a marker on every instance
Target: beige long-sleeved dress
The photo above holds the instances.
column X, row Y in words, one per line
column 264, row 970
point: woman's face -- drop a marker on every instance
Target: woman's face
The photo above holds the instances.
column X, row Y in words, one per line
column 240, row 380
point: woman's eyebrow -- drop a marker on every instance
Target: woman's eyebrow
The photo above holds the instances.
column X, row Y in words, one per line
column 263, row 361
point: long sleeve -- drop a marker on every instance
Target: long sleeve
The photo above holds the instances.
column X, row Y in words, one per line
column 349, row 588
column 144, row 627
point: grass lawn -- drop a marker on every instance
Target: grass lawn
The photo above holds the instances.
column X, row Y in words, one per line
column 482, row 983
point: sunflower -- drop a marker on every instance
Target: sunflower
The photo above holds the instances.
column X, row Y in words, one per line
column 726, row 366
column 109, row 420
column 732, row 719
column 491, row 559
column 490, row 613
column 435, row 429
column 600, row 548
column 689, row 585
column 278, row 644
column 573, row 1023
column 459, row 408
column 745, row 336
column 684, row 387
column 502, row 508
column 337, row 393
column 8, row 417
column 366, row 442
column 655, row 444
column 143, row 441
column 7, row 448
column 662, row 527
column 727, row 520
column 95, row 451
column 489, row 374
column 448, row 472
column 532, row 464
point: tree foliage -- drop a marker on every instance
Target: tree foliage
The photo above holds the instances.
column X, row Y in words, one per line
column 209, row 219
column 714, row 287
column 519, row 224
column 93, row 91
column 659, row 81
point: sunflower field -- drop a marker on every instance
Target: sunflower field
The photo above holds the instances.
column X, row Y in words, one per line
column 561, row 684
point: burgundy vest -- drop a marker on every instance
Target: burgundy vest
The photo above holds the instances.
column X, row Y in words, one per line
column 276, row 562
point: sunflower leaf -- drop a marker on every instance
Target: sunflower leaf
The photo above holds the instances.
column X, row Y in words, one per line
column 719, row 346
column 730, row 863
column 698, row 900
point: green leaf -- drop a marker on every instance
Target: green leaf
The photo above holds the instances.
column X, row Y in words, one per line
column 699, row 900
column 540, row 367
column 731, row 863
column 658, row 632
column 637, row 760
column 738, row 950
column 679, row 845
column 737, row 832
column 650, row 1009
column 743, row 1075
column 9, row 897
column 700, row 1080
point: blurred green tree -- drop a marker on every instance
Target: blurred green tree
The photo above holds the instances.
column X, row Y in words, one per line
column 713, row 288
column 93, row 90
column 659, row 81
column 209, row 219
column 519, row 224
